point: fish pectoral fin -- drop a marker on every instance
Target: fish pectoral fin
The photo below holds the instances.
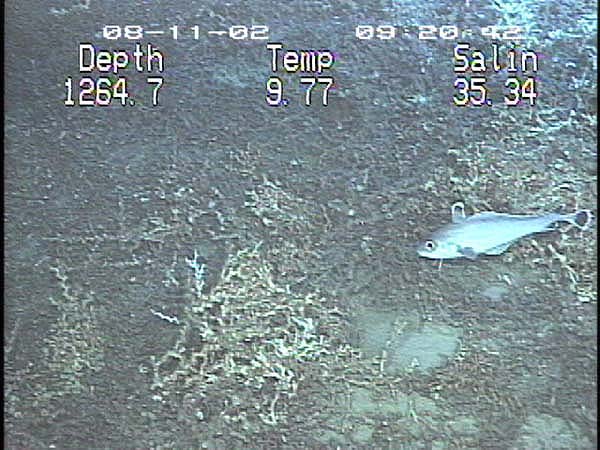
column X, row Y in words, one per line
column 498, row 249
column 468, row 252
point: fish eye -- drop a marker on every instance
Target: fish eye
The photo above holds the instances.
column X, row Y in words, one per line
column 429, row 245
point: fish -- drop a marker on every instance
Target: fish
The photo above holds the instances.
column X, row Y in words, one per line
column 491, row 233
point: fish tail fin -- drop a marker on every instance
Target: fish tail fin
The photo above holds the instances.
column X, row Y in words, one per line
column 582, row 219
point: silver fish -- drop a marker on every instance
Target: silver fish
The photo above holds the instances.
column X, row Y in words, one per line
column 491, row 233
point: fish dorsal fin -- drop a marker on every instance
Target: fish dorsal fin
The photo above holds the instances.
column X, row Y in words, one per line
column 458, row 212
column 486, row 215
